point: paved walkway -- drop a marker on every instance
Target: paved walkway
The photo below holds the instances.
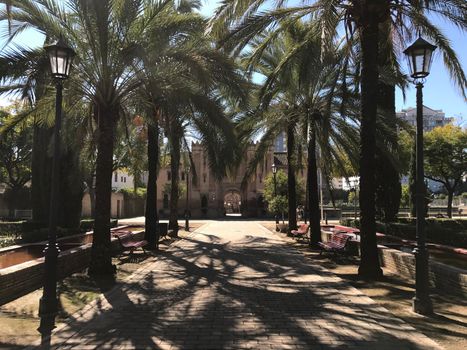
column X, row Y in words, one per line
column 236, row 285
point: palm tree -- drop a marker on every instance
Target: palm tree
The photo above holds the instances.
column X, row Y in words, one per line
column 296, row 61
column 103, row 34
column 362, row 20
column 182, row 80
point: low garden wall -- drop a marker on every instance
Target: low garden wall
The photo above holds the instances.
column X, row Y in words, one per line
column 444, row 278
column 19, row 280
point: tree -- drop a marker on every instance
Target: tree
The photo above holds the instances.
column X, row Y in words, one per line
column 303, row 89
column 363, row 20
column 15, row 160
column 446, row 158
column 104, row 35
column 277, row 194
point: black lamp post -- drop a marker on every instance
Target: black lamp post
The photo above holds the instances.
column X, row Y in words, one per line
column 420, row 55
column 274, row 172
column 187, row 206
column 61, row 58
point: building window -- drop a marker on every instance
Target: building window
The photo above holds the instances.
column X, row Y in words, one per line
column 260, row 179
column 204, row 178
column 116, row 177
column 168, row 176
column 121, row 178
column 183, row 175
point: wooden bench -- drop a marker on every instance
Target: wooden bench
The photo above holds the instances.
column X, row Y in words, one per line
column 128, row 243
column 301, row 233
column 337, row 244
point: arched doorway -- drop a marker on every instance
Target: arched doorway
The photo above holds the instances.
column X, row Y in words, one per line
column 232, row 203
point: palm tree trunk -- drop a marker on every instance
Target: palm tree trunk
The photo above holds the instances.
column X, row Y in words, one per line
column 369, row 264
column 151, row 231
column 174, row 168
column 101, row 255
column 41, row 174
column 313, row 190
column 292, row 214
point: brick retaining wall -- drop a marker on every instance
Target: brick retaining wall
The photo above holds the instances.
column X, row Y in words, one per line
column 444, row 278
column 21, row 279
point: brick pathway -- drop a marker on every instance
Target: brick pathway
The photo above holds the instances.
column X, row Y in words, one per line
column 236, row 285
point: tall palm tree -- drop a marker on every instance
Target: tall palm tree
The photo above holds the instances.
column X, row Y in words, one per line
column 182, row 81
column 362, row 20
column 103, row 34
column 326, row 119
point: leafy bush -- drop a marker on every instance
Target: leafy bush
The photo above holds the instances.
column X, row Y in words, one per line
column 11, row 228
column 88, row 224
column 130, row 192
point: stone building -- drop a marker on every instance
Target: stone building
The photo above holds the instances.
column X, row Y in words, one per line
column 211, row 198
column 432, row 118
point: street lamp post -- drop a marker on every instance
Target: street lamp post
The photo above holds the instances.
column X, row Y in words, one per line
column 420, row 55
column 61, row 58
column 274, row 172
column 187, row 205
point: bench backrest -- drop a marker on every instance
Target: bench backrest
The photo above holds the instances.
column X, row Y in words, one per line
column 122, row 235
column 339, row 239
column 303, row 228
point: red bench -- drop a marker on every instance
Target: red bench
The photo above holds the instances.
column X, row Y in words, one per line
column 301, row 233
column 337, row 244
column 128, row 243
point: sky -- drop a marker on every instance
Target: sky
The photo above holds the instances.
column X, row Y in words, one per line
column 439, row 91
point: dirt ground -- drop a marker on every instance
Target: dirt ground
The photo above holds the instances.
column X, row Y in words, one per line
column 448, row 325
column 19, row 319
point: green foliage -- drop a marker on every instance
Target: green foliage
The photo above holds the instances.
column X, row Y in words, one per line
column 405, row 146
column 278, row 204
column 15, row 153
column 446, row 155
column 405, row 197
column 281, row 185
column 181, row 189
column 353, row 196
column 88, row 224
column 11, row 228
column 131, row 193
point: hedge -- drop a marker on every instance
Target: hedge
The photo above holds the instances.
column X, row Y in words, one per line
column 11, row 228
column 33, row 231
column 443, row 231
column 88, row 224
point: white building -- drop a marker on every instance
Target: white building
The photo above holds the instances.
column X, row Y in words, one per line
column 341, row 183
column 432, row 118
column 121, row 179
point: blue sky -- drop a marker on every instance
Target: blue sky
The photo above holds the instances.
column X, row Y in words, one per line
column 439, row 91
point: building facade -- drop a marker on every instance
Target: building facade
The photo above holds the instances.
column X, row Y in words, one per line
column 432, row 118
column 208, row 197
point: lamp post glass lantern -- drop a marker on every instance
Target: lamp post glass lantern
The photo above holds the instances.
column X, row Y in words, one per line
column 61, row 58
column 420, row 55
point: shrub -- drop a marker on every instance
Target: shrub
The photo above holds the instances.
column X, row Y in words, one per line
column 88, row 224
column 43, row 234
column 11, row 228
column 130, row 192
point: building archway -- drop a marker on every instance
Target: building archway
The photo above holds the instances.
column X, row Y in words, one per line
column 232, row 202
